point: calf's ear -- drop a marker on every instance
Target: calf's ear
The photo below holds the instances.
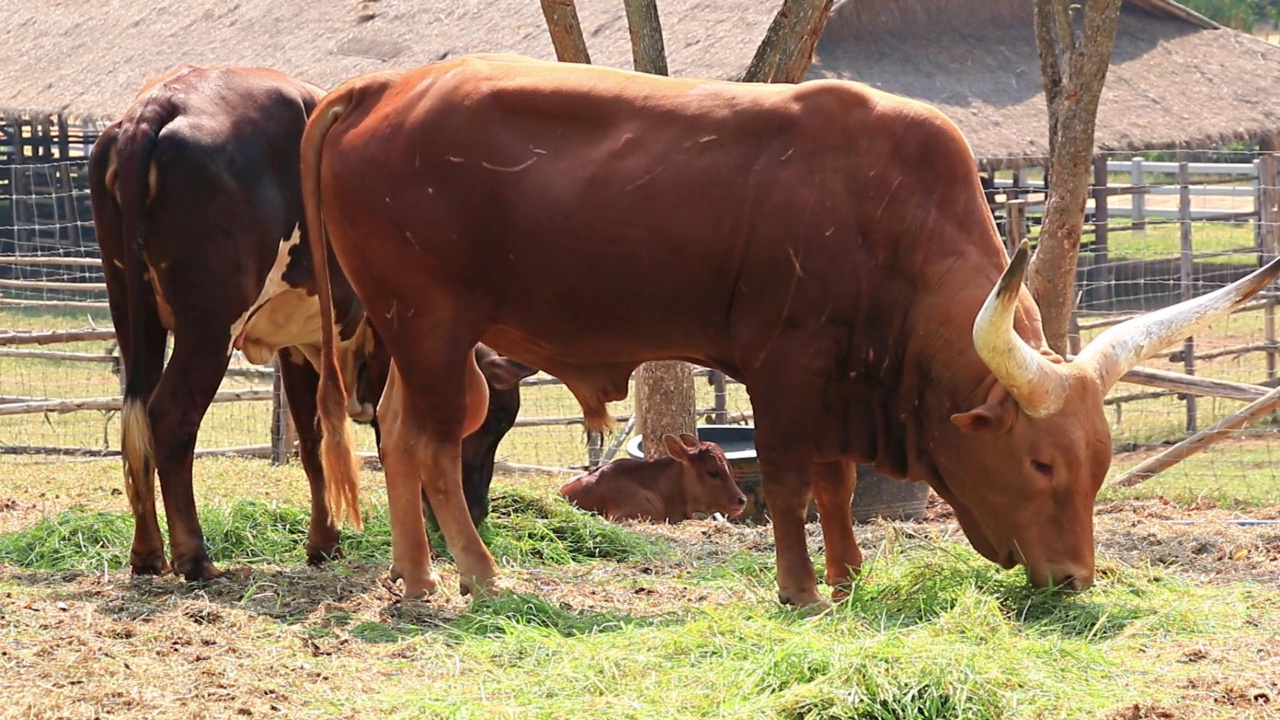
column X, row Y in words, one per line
column 503, row 372
column 676, row 448
column 690, row 441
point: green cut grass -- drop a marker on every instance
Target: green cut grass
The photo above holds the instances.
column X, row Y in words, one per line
column 522, row 529
column 930, row 632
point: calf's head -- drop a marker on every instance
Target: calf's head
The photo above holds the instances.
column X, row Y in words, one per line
column 1022, row 469
column 708, row 479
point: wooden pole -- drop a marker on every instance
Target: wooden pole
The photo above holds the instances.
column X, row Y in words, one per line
column 1185, row 269
column 648, row 53
column 566, row 31
column 1269, row 243
column 787, row 49
column 1099, row 259
column 1201, row 440
column 1015, row 223
column 281, row 442
column 721, row 397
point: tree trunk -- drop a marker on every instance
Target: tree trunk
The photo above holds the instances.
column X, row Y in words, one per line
column 566, row 31
column 647, row 51
column 787, row 49
column 665, row 403
column 1073, row 63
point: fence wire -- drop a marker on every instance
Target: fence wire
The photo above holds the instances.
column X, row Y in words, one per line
column 1160, row 227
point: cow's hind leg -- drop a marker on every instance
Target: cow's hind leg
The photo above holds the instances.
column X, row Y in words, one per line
column 410, row 550
column 300, row 381
column 834, row 484
column 179, row 404
column 437, row 400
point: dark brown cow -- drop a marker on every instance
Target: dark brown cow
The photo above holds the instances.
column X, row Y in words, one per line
column 198, row 208
column 825, row 243
column 694, row 478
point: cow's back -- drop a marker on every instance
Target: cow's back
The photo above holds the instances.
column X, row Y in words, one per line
column 750, row 177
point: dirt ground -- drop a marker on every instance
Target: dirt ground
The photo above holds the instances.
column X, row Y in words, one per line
column 108, row 644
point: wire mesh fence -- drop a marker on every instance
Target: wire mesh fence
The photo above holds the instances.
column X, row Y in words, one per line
column 1160, row 227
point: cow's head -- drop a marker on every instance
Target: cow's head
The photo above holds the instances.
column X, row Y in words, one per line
column 1022, row 469
column 503, row 375
column 708, row 479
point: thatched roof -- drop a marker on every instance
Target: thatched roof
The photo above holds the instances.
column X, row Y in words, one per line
column 1176, row 80
column 89, row 59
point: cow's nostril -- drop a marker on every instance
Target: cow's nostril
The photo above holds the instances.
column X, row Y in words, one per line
column 1072, row 583
column 742, row 501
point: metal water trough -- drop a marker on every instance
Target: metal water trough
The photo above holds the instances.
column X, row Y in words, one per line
column 876, row 496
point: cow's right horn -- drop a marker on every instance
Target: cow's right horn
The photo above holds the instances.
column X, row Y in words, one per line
column 1116, row 351
column 1035, row 382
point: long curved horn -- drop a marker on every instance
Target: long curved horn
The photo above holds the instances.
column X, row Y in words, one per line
column 1116, row 351
column 1037, row 384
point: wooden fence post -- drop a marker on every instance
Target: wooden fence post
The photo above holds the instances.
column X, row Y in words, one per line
column 1138, row 214
column 1097, row 282
column 1185, row 276
column 1268, row 206
column 721, row 401
column 282, row 430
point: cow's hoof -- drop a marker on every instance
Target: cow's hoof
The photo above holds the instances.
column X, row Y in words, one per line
column 148, row 563
column 320, row 554
column 196, row 569
column 478, row 587
column 415, row 588
column 806, row 599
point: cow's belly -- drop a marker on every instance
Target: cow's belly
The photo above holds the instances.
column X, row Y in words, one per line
column 289, row 318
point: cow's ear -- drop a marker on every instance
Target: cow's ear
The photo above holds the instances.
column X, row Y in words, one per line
column 690, row 441
column 994, row 416
column 503, row 372
column 676, row 448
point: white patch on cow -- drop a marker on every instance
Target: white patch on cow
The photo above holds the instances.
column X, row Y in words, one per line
column 274, row 286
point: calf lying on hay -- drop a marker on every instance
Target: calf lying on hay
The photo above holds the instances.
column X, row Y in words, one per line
column 694, row 478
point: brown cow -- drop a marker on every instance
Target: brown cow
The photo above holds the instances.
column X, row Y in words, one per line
column 694, row 478
column 198, row 213
column 825, row 243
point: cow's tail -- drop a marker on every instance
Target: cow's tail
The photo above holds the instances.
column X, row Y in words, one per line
column 143, row 353
column 337, row 457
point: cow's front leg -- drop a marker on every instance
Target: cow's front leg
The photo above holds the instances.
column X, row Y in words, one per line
column 300, row 381
column 833, row 488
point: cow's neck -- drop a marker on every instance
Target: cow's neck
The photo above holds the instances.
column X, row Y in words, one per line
column 949, row 377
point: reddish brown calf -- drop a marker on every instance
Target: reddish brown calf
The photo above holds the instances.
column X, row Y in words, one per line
column 694, row 478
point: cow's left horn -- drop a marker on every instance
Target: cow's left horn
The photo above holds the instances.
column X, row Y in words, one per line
column 1116, row 351
column 1036, row 383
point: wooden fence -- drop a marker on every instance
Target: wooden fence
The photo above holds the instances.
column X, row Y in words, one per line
column 60, row 270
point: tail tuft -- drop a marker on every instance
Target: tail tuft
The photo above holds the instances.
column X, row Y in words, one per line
column 137, row 449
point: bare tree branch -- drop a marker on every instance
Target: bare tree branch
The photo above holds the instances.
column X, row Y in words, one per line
column 566, row 31
column 647, row 50
column 787, row 48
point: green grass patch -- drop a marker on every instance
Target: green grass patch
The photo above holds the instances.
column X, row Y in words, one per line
column 930, row 632
column 523, row 529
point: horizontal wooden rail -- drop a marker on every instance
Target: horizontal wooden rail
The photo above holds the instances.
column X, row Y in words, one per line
column 115, row 403
column 52, row 285
column 49, row 260
column 62, row 304
column 50, row 337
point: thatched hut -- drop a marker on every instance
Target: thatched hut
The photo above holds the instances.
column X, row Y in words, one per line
column 1177, row 80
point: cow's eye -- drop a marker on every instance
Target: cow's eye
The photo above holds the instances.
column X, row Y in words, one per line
column 1043, row 468
column 713, row 474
